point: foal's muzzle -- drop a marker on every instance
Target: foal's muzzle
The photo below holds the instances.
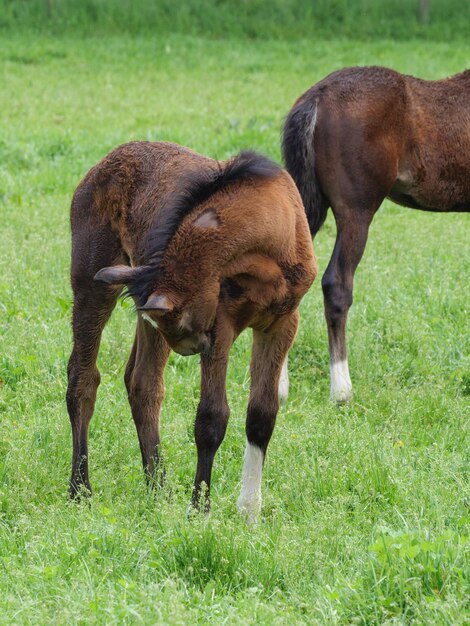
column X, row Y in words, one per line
column 192, row 344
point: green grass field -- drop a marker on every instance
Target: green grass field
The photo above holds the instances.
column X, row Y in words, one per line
column 365, row 517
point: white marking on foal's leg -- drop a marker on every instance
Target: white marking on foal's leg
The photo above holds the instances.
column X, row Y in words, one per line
column 283, row 389
column 341, row 386
column 249, row 502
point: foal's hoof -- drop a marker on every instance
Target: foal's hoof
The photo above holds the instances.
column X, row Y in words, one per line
column 79, row 491
column 200, row 502
column 283, row 394
column 156, row 480
column 341, row 396
column 249, row 507
column 194, row 511
column 341, row 386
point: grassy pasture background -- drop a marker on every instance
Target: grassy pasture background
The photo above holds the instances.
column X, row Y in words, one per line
column 365, row 516
column 256, row 19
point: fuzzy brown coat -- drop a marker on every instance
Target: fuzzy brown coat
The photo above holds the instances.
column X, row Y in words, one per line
column 235, row 253
column 363, row 134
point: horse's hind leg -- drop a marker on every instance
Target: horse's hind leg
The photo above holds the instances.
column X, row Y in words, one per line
column 92, row 307
column 145, row 388
column 93, row 304
column 337, row 284
column 268, row 357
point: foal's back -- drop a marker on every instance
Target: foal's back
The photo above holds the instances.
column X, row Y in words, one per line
column 130, row 186
column 411, row 135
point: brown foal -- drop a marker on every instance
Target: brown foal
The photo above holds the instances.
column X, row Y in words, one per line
column 206, row 249
column 363, row 134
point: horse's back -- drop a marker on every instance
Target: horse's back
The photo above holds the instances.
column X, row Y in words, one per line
column 353, row 84
column 357, row 89
column 408, row 135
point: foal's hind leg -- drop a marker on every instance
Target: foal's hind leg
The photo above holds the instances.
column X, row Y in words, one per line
column 337, row 284
column 93, row 304
column 283, row 389
column 93, row 247
column 269, row 355
column 145, row 388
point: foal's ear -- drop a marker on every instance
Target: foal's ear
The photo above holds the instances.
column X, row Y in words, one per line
column 117, row 274
column 207, row 219
column 159, row 303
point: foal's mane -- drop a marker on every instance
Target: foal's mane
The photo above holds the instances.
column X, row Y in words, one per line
column 196, row 187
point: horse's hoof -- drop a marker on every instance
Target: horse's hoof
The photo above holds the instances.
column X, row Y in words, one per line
column 194, row 512
column 79, row 491
column 250, row 508
column 342, row 396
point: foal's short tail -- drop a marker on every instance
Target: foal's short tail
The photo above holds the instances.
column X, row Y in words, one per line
column 299, row 157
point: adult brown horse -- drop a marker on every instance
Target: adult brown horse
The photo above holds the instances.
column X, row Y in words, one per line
column 363, row 134
column 206, row 249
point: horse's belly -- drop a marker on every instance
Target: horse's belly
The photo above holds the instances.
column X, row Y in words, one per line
column 444, row 188
column 427, row 204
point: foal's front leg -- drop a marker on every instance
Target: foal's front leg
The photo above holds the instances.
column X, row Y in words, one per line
column 145, row 389
column 212, row 413
column 269, row 355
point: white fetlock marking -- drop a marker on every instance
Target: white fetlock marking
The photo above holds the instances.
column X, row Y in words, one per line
column 249, row 502
column 148, row 319
column 283, row 390
column 341, row 386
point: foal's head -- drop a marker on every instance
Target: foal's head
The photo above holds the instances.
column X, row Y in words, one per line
column 185, row 318
column 178, row 288
column 181, row 302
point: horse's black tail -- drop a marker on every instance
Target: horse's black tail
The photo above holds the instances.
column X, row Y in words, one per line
column 299, row 157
